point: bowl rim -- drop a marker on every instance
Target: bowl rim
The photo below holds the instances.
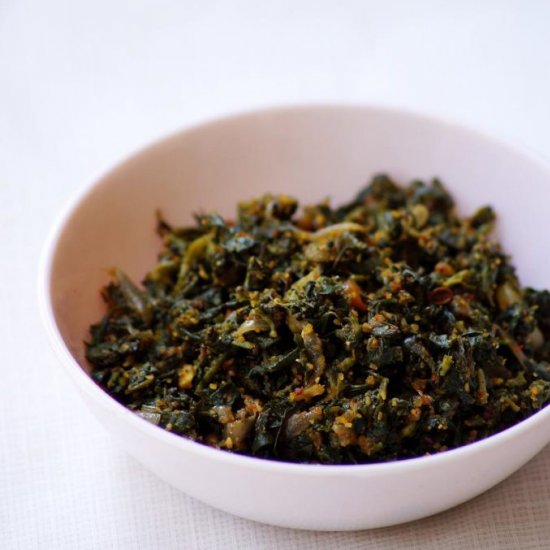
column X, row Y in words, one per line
column 85, row 383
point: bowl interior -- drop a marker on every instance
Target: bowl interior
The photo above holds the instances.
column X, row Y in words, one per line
column 311, row 153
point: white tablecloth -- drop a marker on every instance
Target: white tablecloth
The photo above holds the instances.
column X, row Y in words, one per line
column 84, row 83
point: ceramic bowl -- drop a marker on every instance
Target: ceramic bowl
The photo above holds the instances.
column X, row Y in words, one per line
column 312, row 153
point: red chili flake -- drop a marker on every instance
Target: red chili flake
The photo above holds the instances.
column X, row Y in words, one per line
column 228, row 363
column 440, row 295
column 353, row 294
column 444, row 269
column 517, row 349
column 395, row 286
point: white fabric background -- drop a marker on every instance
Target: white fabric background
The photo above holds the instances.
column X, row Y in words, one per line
column 82, row 84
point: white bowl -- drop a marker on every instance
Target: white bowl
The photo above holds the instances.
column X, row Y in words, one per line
column 312, row 153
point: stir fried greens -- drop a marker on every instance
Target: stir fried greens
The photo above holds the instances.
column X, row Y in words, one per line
column 384, row 329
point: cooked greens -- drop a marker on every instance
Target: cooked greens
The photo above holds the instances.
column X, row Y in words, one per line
column 384, row 329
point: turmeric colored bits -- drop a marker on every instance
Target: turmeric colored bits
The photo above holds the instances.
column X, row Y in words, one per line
column 386, row 328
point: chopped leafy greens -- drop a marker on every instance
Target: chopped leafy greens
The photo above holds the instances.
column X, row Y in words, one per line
column 383, row 329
